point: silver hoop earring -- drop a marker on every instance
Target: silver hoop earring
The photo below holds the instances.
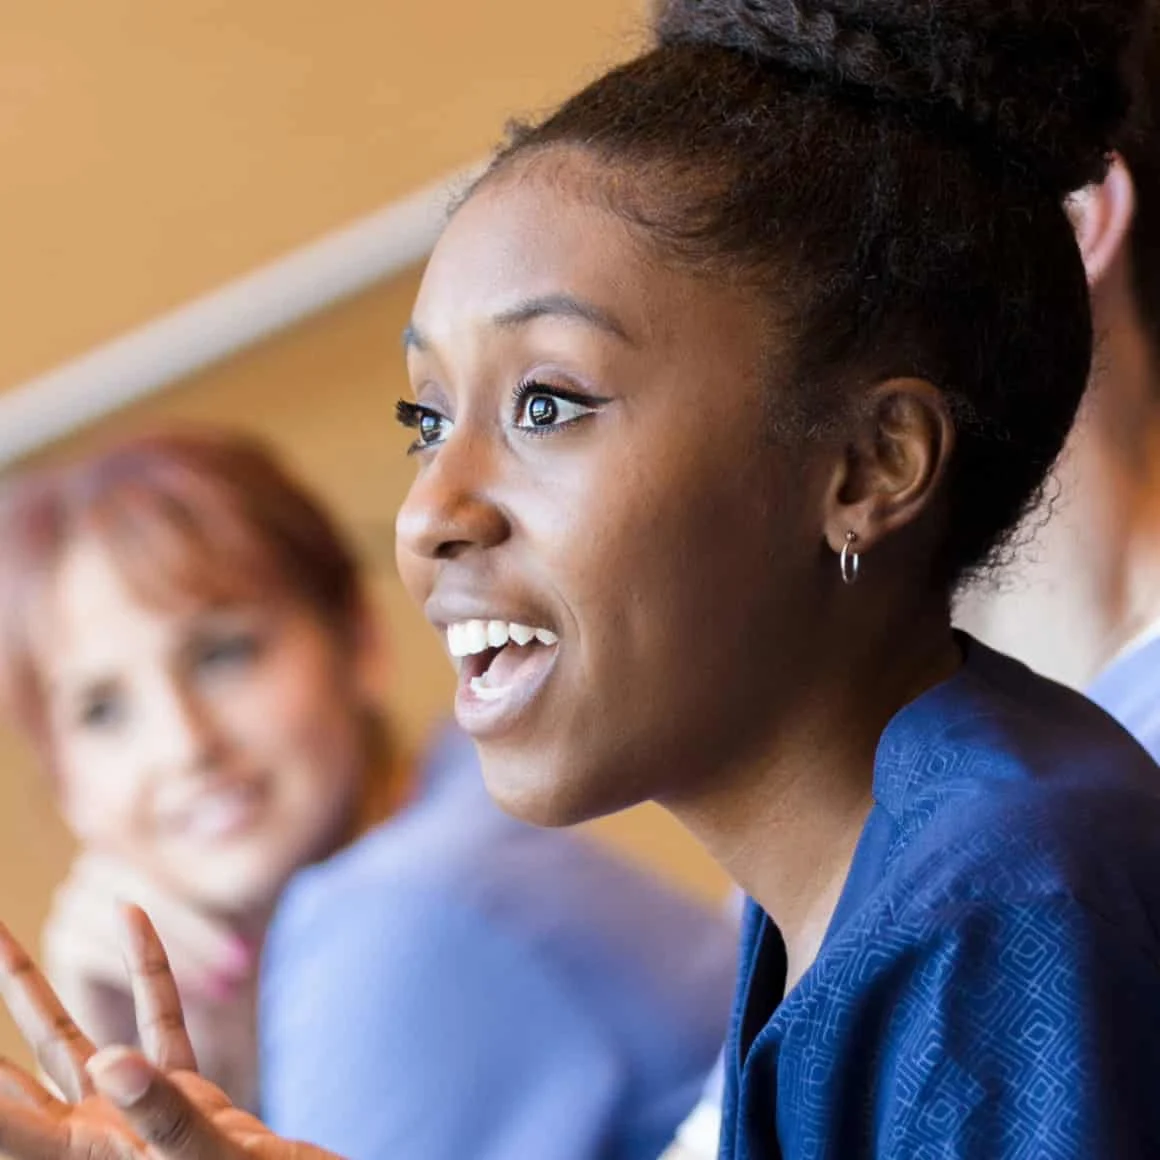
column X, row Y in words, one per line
column 848, row 560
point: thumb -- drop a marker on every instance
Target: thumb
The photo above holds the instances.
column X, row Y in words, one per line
column 155, row 1108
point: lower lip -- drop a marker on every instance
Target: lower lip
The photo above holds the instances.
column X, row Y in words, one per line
column 479, row 718
column 221, row 819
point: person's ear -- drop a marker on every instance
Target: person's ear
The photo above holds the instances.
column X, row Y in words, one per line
column 893, row 463
column 1102, row 217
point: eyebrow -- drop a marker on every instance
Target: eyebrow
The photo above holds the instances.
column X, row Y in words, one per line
column 563, row 306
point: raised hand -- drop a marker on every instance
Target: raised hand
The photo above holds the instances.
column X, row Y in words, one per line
column 83, row 953
column 119, row 1104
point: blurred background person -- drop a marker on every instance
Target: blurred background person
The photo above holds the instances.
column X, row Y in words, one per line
column 1083, row 603
column 186, row 639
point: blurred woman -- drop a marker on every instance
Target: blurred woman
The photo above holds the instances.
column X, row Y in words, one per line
column 185, row 636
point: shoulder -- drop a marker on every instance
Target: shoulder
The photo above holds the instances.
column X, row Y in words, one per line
column 1011, row 789
column 1087, row 843
column 1027, row 900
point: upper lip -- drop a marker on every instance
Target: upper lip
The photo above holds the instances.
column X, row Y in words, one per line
column 442, row 611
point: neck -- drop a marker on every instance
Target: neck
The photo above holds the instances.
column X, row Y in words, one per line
column 1094, row 562
column 785, row 826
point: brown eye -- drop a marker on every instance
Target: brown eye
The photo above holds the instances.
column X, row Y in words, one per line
column 228, row 652
column 538, row 408
column 542, row 410
column 430, row 427
column 101, row 710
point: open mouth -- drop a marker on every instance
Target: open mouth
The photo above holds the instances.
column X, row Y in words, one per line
column 501, row 664
column 221, row 814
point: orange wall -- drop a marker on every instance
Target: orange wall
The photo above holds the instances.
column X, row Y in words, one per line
column 153, row 150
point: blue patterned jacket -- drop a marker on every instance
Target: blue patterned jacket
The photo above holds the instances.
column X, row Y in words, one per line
column 989, row 986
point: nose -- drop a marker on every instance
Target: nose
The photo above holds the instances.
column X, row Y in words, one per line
column 448, row 510
column 187, row 739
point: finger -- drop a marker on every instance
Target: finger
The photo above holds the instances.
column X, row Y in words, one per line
column 58, row 1044
column 84, row 943
column 31, row 1134
column 203, row 944
column 19, row 1087
column 157, row 1109
column 160, row 1019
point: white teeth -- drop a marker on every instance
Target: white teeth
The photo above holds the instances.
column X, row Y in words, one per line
column 484, row 691
column 521, row 634
column 475, row 636
column 467, row 637
column 457, row 640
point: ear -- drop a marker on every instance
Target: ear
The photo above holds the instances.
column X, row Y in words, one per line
column 1102, row 218
column 894, row 462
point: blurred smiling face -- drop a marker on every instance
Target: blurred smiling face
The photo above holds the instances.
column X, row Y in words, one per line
column 619, row 560
column 215, row 749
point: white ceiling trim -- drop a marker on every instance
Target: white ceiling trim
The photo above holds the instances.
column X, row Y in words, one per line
column 225, row 321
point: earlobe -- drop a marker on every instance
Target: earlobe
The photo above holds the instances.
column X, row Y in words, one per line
column 1102, row 218
column 892, row 467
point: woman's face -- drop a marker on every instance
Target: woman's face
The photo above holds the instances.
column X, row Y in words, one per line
column 217, row 750
column 594, row 461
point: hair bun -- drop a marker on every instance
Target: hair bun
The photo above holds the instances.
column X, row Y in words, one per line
column 1041, row 82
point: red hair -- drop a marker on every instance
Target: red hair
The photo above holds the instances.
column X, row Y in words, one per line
column 205, row 516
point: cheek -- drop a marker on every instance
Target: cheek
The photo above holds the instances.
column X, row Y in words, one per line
column 675, row 551
column 102, row 795
column 686, row 583
column 295, row 721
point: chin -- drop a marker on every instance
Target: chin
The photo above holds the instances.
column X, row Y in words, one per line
column 233, row 896
column 233, row 884
column 551, row 793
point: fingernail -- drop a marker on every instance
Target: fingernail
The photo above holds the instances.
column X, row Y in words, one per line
column 120, row 1074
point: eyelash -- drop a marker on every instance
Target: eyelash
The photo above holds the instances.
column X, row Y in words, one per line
column 411, row 415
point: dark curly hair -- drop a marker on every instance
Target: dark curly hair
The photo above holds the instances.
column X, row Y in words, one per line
column 890, row 176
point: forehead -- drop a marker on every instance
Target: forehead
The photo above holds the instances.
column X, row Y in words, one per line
column 542, row 227
column 88, row 614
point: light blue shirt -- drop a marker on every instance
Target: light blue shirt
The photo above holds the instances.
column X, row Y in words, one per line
column 460, row 986
column 1129, row 689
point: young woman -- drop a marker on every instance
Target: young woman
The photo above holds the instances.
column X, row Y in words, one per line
column 725, row 376
column 187, row 639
